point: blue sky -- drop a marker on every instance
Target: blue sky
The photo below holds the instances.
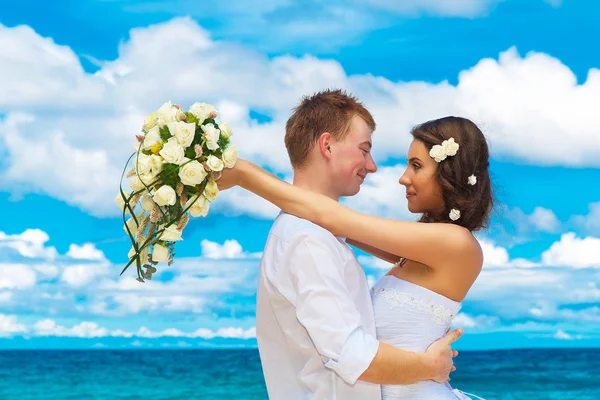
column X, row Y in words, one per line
column 79, row 76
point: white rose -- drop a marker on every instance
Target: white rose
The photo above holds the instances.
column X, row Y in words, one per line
column 438, row 153
column 211, row 134
column 160, row 253
column 454, row 214
column 143, row 163
column 192, row 173
column 139, row 183
column 183, row 132
column 211, row 191
column 214, row 164
column 165, row 196
column 156, row 164
column 171, row 234
column 151, row 138
column 472, row 180
column 450, row 147
column 225, row 130
column 147, row 203
column 172, row 152
column 132, row 225
column 230, row 156
column 150, row 121
column 120, row 202
column 200, row 206
column 136, row 184
column 167, row 113
column 179, row 114
column 202, row 111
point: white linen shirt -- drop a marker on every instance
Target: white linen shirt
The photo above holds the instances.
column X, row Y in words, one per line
column 314, row 317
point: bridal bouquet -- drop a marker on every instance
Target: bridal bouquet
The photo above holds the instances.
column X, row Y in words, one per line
column 177, row 161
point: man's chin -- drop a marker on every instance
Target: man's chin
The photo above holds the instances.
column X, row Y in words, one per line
column 351, row 191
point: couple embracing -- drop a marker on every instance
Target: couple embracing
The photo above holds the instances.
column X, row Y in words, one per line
column 322, row 333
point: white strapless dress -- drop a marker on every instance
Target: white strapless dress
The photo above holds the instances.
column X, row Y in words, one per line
column 412, row 317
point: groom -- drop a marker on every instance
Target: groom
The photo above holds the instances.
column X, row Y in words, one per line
column 314, row 319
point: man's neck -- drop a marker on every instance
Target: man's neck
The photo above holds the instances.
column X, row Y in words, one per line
column 315, row 181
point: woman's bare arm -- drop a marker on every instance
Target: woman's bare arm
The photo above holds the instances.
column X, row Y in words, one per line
column 375, row 252
column 431, row 244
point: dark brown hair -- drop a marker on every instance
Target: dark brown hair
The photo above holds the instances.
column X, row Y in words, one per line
column 326, row 111
column 475, row 202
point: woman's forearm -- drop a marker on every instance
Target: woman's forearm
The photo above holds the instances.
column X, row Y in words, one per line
column 374, row 251
column 299, row 202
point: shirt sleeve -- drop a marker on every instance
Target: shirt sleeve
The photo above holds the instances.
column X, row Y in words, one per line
column 325, row 306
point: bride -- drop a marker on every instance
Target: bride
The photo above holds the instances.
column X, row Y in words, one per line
column 435, row 261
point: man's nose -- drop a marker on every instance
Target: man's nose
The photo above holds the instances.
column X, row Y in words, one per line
column 371, row 166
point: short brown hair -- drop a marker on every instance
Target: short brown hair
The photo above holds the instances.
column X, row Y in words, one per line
column 326, row 111
column 475, row 202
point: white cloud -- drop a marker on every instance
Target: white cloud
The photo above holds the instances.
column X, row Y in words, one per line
column 47, row 162
column 451, row 8
column 521, row 227
column 310, row 25
column 81, row 275
column 464, row 321
column 589, row 223
column 230, row 249
column 47, row 271
column 87, row 251
column 381, row 194
column 228, row 332
column 562, row 335
column 29, row 244
column 493, row 255
column 16, row 276
column 569, row 251
column 276, row 24
column 9, row 325
column 86, row 329
column 508, row 291
column 28, row 57
column 497, row 256
column 544, row 220
column 238, row 201
column 5, row 297
column 49, row 327
column 509, row 96
column 479, row 322
column 574, row 252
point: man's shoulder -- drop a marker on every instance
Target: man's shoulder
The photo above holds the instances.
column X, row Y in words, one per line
column 288, row 227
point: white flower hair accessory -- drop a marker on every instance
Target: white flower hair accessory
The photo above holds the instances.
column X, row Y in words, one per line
column 440, row 152
column 454, row 214
column 472, row 180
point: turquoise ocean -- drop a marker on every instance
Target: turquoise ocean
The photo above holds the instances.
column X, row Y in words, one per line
column 236, row 374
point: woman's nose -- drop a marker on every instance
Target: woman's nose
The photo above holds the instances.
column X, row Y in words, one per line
column 404, row 180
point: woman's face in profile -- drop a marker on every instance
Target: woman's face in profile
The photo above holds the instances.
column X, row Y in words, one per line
column 423, row 192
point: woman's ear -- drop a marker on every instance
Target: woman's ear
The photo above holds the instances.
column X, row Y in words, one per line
column 325, row 142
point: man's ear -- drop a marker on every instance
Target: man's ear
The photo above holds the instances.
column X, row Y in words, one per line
column 325, row 142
